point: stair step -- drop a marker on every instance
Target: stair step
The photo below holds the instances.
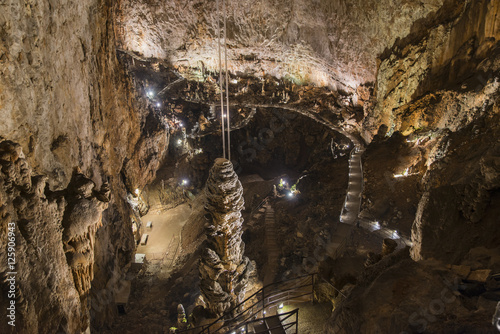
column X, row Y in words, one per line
column 260, row 327
column 275, row 326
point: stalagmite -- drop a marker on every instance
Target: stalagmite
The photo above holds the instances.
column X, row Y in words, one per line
column 224, row 271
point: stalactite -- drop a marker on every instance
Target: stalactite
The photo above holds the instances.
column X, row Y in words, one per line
column 80, row 222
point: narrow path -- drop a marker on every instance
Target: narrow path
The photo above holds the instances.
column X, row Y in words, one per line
column 349, row 215
column 352, row 203
column 273, row 251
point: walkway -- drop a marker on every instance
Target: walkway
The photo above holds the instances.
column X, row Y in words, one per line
column 164, row 236
column 352, row 202
column 349, row 215
column 272, row 248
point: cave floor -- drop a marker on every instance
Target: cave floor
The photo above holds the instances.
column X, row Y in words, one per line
column 164, row 235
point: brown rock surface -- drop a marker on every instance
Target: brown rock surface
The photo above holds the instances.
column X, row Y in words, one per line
column 327, row 42
column 224, row 271
column 68, row 103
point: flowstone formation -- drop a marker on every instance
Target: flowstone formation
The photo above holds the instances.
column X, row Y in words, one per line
column 224, row 271
column 82, row 218
column 54, row 238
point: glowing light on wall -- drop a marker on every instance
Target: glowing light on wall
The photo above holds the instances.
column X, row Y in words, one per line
column 404, row 174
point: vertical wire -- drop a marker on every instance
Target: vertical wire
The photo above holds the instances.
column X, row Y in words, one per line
column 221, row 85
column 227, row 85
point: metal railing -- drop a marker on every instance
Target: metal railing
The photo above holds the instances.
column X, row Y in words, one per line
column 268, row 298
column 283, row 317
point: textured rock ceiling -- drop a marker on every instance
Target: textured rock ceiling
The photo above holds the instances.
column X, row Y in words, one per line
column 326, row 42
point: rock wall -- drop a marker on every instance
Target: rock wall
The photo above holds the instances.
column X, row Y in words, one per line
column 66, row 102
column 444, row 64
column 438, row 87
column 326, row 42
column 53, row 235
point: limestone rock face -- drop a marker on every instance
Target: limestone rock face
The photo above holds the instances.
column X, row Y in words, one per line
column 67, row 102
column 327, row 42
column 438, row 76
column 51, row 60
column 47, row 299
column 398, row 295
column 82, row 218
column 149, row 152
column 224, row 271
column 437, row 87
column 459, row 205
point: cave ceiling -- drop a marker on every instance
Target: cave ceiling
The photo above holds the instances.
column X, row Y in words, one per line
column 333, row 43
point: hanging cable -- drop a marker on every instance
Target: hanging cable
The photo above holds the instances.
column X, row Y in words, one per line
column 227, row 85
column 221, row 83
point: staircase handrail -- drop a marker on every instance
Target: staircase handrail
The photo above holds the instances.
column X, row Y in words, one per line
column 224, row 317
column 286, row 326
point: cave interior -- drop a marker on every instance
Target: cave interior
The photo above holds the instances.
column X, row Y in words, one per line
column 271, row 166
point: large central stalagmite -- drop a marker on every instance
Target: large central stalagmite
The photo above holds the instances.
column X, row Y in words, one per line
column 224, row 271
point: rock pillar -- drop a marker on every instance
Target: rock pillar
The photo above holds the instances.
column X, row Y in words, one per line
column 224, row 271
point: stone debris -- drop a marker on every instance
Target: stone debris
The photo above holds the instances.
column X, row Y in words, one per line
column 462, row 271
column 388, row 246
column 479, row 275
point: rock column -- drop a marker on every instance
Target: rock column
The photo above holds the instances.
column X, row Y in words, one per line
column 224, row 271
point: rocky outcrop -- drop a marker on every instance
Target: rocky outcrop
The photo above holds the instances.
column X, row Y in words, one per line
column 399, row 295
column 437, row 77
column 327, row 42
column 82, row 218
column 149, row 153
column 438, row 100
column 224, row 271
column 67, row 102
column 54, row 245
column 460, row 198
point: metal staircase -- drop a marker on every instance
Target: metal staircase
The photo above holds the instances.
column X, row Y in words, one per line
column 261, row 312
